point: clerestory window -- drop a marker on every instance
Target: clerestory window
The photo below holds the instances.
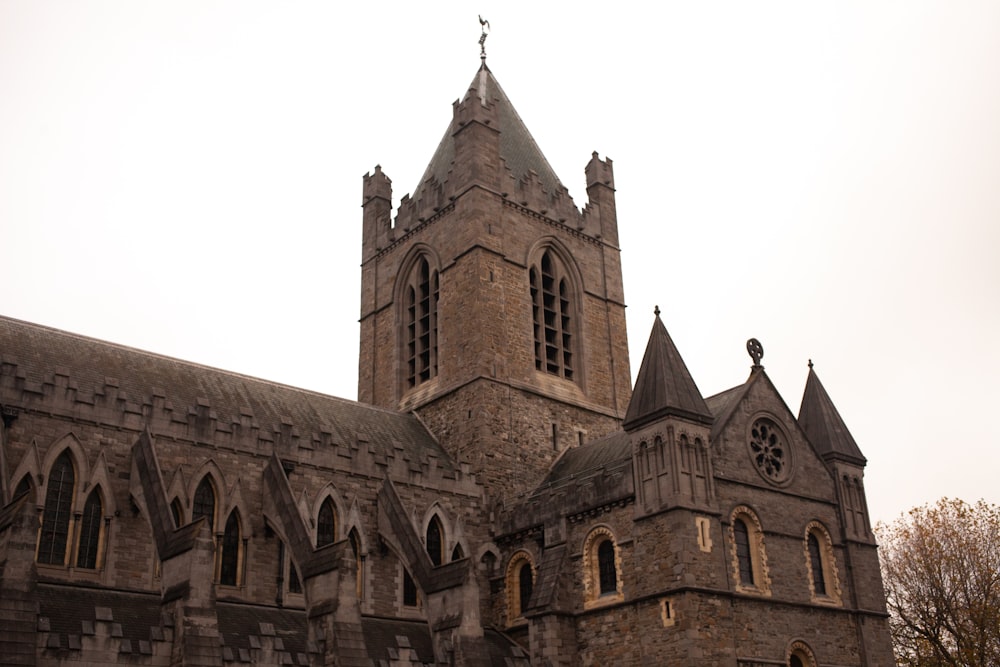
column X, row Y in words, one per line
column 54, row 536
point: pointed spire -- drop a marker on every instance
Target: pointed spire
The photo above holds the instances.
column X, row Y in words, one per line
column 518, row 149
column 824, row 426
column 664, row 386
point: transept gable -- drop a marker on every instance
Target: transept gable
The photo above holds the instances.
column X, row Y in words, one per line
column 758, row 441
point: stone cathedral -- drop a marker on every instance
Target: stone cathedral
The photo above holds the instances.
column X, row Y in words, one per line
column 499, row 495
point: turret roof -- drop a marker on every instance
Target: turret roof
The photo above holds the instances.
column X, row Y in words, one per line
column 824, row 426
column 664, row 386
column 517, row 147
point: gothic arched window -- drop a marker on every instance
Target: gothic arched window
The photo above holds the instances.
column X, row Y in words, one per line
column 56, row 516
column 553, row 316
column 326, row 524
column 204, row 503
column 90, row 531
column 420, row 320
column 229, row 562
column 435, row 541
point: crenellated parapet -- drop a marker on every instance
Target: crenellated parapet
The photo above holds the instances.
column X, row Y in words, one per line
column 332, row 433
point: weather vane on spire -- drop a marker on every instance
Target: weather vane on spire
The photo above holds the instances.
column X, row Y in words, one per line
column 482, row 38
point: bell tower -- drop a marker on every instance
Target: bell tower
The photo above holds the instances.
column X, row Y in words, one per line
column 490, row 304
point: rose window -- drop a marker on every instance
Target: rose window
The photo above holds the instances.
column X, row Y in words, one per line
column 768, row 451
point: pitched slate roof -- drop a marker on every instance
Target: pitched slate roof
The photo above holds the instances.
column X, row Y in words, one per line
column 664, row 386
column 823, row 425
column 90, row 364
column 517, row 147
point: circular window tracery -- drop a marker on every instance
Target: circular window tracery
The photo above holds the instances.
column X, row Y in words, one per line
column 769, row 451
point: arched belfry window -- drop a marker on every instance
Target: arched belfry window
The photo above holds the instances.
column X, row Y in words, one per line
column 58, row 508
column 90, row 531
column 326, row 524
column 553, row 316
column 420, row 320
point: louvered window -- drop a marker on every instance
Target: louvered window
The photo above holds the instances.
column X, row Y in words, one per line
column 552, row 312
column 421, row 324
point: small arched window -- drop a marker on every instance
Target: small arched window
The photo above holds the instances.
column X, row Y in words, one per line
column 525, row 584
column 326, row 524
column 602, row 575
column 821, row 565
column 91, row 523
column 606, row 567
column 749, row 560
column 816, row 560
column 229, row 561
column 435, row 541
column 520, row 583
column 204, row 503
column 744, row 555
column 800, row 655
column 420, row 321
column 457, row 553
column 56, row 517
column 553, row 316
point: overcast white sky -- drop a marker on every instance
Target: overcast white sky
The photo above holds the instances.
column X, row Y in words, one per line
column 185, row 177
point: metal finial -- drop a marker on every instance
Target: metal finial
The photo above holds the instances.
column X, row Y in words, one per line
column 482, row 38
column 656, row 310
column 756, row 351
column 810, row 364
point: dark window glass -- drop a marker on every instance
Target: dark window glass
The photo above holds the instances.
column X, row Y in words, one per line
column 230, row 551
column 743, row 556
column 434, row 545
column 816, row 561
column 606, row 567
column 204, row 503
column 525, row 583
column 24, row 486
column 326, row 524
column 90, row 531
column 175, row 512
column 796, row 661
column 55, row 519
column 457, row 553
column 294, row 583
column 409, row 590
